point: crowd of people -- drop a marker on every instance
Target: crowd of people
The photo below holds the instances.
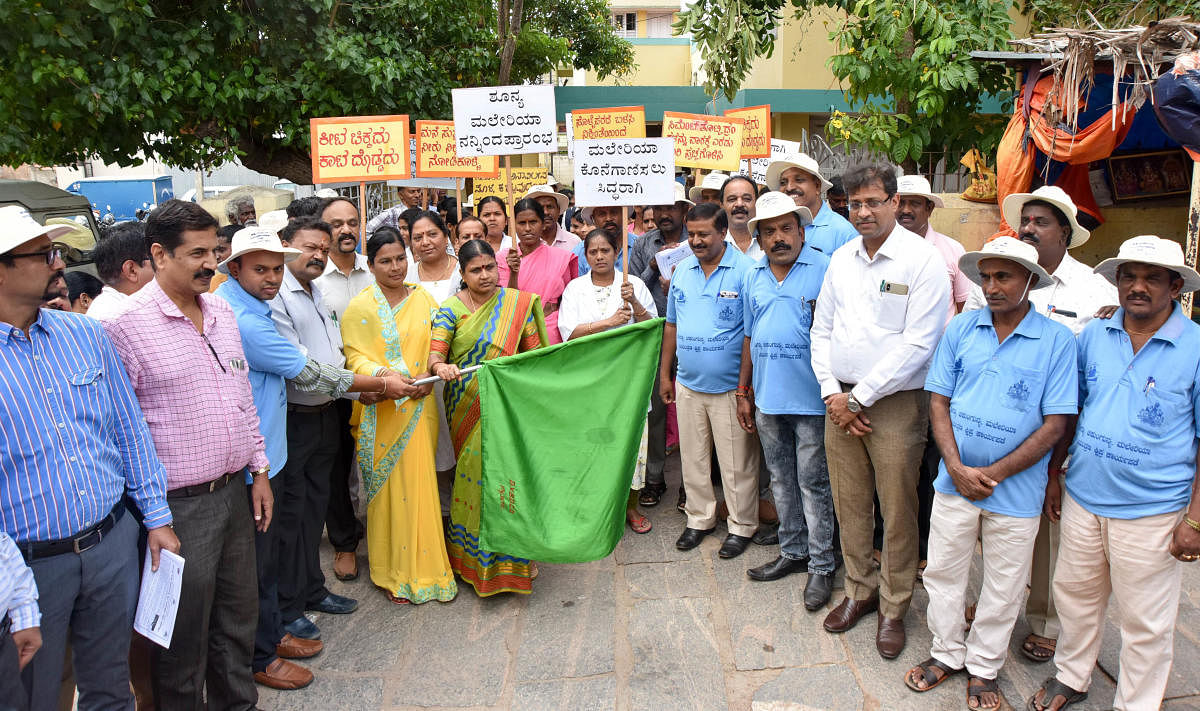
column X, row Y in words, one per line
column 840, row 380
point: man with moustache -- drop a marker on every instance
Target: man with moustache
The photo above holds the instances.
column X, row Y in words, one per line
column 72, row 443
column 256, row 267
column 737, row 196
column 182, row 350
column 554, row 204
column 346, row 275
column 315, row 431
column 779, row 397
column 881, row 312
column 1129, row 513
column 705, row 328
column 240, row 210
column 798, row 175
column 1046, row 219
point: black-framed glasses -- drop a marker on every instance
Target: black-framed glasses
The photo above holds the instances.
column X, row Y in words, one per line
column 51, row 255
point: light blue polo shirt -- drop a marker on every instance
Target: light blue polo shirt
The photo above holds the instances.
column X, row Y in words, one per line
column 707, row 313
column 272, row 359
column 999, row 394
column 829, row 230
column 1134, row 453
column 778, row 317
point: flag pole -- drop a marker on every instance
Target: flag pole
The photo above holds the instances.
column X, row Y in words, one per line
column 434, row 378
column 625, row 243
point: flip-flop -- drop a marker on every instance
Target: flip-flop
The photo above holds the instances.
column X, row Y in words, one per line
column 976, row 686
column 641, row 524
column 397, row 600
column 932, row 680
column 1038, row 649
column 1052, row 689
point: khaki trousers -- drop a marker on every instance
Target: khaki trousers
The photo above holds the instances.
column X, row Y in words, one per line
column 887, row 462
column 1130, row 560
column 707, row 421
column 954, row 527
column 1040, row 612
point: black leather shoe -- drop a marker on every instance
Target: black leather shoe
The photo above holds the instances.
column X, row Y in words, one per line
column 734, row 546
column 817, row 591
column 766, row 535
column 691, row 537
column 778, row 568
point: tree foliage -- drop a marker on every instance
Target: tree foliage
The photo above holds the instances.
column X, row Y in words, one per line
column 1046, row 14
column 904, row 64
column 197, row 82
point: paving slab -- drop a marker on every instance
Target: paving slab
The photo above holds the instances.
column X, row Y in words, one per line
column 676, row 660
column 568, row 623
column 810, row 689
column 328, row 691
column 591, row 694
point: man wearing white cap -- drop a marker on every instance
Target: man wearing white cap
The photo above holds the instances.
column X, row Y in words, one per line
column 1129, row 513
column 709, row 189
column 1046, row 218
column 1003, row 385
column 776, row 379
column 917, row 203
column 554, row 204
column 256, row 267
column 798, row 175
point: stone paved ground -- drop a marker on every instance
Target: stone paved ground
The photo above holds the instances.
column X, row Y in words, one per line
column 654, row 628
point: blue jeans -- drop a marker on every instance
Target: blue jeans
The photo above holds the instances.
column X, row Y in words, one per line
column 794, row 450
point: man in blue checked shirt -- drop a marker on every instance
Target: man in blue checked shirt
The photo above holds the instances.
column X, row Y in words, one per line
column 73, row 441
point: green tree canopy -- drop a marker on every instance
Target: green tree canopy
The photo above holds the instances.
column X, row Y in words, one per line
column 197, row 82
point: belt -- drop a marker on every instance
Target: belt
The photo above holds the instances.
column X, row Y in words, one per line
column 78, row 543
column 311, row 408
column 206, row 488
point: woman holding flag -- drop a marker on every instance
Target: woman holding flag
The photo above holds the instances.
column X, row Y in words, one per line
column 481, row 322
column 387, row 328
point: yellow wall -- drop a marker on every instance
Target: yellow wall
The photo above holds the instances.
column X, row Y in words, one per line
column 801, row 50
column 657, row 65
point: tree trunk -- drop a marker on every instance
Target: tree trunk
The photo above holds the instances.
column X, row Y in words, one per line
column 510, row 27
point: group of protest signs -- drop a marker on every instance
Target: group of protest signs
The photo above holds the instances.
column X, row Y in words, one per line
column 615, row 163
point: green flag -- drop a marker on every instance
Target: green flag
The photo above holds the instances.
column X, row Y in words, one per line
column 560, row 433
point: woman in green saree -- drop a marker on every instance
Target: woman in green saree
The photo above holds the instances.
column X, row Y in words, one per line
column 481, row 322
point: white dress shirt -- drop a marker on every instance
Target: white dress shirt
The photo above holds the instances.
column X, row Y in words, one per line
column 338, row 287
column 754, row 251
column 307, row 321
column 866, row 330
column 1072, row 299
column 108, row 304
column 18, row 589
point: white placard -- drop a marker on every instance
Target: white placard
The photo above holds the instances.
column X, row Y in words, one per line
column 158, row 600
column 625, row 171
column 756, row 168
column 668, row 259
column 570, row 136
column 505, row 120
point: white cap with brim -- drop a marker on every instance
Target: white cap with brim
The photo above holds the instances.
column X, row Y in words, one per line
column 679, row 197
column 803, row 161
column 712, row 181
column 918, row 186
column 1056, row 196
column 17, row 227
column 256, row 239
column 1149, row 249
column 1010, row 248
column 538, row 191
column 275, row 220
column 776, row 204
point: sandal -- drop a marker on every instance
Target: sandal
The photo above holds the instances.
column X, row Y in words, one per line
column 1038, row 649
column 977, row 686
column 397, row 600
column 932, row 680
column 652, row 494
column 638, row 522
column 1053, row 689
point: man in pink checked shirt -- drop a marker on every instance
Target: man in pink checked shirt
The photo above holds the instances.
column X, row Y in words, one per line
column 183, row 352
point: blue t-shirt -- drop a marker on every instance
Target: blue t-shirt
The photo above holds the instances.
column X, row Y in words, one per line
column 1134, row 453
column 999, row 395
column 272, row 360
column 778, row 317
column 828, row 230
column 707, row 313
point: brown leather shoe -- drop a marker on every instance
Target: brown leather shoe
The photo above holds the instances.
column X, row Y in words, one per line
column 848, row 613
column 345, row 565
column 284, row 675
column 890, row 637
column 292, row 647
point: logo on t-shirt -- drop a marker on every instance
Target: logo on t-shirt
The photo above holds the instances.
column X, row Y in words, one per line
column 957, row 367
column 726, row 313
column 1017, row 397
column 1151, row 415
column 1090, row 373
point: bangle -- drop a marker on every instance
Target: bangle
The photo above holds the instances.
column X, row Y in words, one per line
column 1058, row 471
column 1192, row 523
column 742, row 394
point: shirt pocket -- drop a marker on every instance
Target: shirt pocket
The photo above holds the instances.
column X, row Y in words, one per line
column 890, row 310
column 86, row 377
column 1156, row 410
column 729, row 311
column 1020, row 388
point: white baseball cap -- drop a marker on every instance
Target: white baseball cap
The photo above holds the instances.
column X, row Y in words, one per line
column 803, row 161
column 275, row 220
column 1056, row 196
column 919, row 186
column 1010, row 248
column 17, row 227
column 712, row 181
column 1149, row 249
column 256, row 239
column 776, row 204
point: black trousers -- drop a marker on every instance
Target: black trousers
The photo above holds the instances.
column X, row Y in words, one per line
column 344, row 528
column 314, row 446
column 266, row 555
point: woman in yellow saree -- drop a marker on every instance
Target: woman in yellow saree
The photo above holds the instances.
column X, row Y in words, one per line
column 387, row 328
column 481, row 322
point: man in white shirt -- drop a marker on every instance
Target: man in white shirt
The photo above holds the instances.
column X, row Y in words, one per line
column 881, row 312
column 738, row 195
column 1046, row 218
column 347, row 272
column 123, row 264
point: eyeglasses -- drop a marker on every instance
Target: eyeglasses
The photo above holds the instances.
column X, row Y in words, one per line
column 871, row 204
column 51, row 255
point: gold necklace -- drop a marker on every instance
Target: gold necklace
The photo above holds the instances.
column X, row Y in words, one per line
column 446, row 274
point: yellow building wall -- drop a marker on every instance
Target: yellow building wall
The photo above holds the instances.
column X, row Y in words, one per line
column 801, row 51
column 657, row 65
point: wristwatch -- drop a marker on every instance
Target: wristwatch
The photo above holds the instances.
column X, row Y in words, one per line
column 853, row 405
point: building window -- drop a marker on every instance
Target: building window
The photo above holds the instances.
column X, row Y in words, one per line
column 625, row 24
column 659, row 25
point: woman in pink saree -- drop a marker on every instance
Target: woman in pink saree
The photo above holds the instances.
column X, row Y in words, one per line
column 533, row 266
